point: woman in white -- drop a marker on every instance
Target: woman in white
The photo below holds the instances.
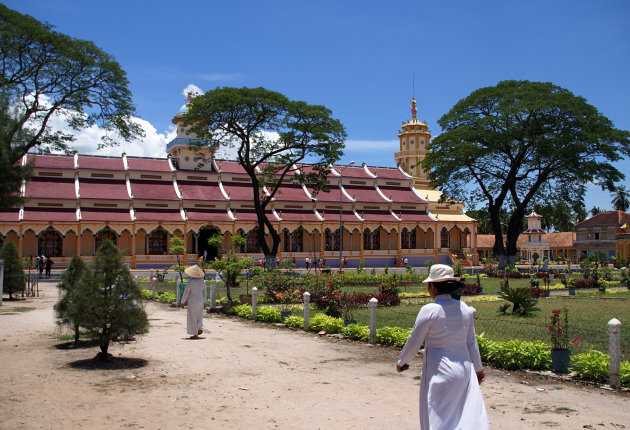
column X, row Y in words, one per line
column 195, row 293
column 450, row 397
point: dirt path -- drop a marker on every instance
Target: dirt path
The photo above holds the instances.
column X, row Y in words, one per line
column 248, row 375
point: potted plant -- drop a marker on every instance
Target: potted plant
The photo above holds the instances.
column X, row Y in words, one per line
column 345, row 302
column 570, row 284
column 560, row 340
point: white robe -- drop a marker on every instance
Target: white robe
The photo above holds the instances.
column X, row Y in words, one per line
column 195, row 293
column 450, row 397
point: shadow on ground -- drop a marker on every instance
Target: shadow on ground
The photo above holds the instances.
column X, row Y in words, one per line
column 79, row 345
column 111, row 363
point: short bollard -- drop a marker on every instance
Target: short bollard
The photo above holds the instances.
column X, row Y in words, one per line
column 614, row 350
column 153, row 287
column 254, row 303
column 373, row 304
column 307, row 301
column 213, row 295
column 179, row 294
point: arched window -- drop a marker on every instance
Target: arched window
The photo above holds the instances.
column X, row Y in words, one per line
column 371, row 239
column 157, row 242
column 293, row 242
column 408, row 239
column 444, row 238
column 106, row 233
column 49, row 243
column 331, row 240
column 251, row 244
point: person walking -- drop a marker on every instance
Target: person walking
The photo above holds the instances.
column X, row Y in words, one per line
column 49, row 264
column 450, row 396
column 195, row 294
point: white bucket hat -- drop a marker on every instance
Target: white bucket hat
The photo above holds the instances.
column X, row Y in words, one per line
column 440, row 273
column 194, row 271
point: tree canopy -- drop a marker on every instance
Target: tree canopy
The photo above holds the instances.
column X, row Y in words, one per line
column 46, row 74
column 519, row 143
column 621, row 198
column 272, row 136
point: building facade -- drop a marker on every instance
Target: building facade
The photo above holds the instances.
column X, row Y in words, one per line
column 386, row 215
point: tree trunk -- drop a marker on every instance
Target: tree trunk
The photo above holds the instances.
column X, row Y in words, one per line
column 76, row 334
column 505, row 260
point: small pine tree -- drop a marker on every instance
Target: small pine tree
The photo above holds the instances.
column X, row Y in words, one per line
column 109, row 301
column 14, row 279
column 65, row 308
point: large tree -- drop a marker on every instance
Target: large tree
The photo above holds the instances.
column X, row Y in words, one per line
column 520, row 142
column 272, row 136
column 46, row 74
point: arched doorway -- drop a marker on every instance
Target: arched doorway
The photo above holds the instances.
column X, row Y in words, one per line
column 202, row 243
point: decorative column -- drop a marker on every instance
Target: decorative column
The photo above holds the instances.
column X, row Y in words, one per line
column 133, row 246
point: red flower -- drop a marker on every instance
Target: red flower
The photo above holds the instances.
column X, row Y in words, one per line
column 550, row 328
column 554, row 312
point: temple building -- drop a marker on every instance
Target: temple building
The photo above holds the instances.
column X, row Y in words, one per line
column 386, row 215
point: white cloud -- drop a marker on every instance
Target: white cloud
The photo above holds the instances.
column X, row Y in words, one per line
column 191, row 88
column 88, row 139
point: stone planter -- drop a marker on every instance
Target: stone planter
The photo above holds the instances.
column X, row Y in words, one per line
column 571, row 291
column 560, row 360
column 285, row 314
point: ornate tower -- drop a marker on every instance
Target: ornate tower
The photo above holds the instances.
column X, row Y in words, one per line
column 414, row 139
column 183, row 155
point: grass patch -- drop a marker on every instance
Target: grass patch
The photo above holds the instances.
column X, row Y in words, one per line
column 15, row 310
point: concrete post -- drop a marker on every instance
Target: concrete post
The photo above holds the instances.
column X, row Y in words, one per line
column 153, row 287
column 254, row 303
column 179, row 294
column 614, row 350
column 307, row 301
column 213, row 295
column 373, row 304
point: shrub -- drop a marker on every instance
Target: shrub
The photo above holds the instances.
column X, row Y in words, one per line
column 167, row 297
column 523, row 303
column 515, row 354
column 14, row 279
column 584, row 283
column 241, row 311
column 322, row 322
column 147, row 294
column 267, row 314
column 592, row 366
column 294, row 321
column 357, row 332
column 393, row 336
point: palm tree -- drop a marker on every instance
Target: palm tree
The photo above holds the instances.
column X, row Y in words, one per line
column 595, row 210
column 621, row 199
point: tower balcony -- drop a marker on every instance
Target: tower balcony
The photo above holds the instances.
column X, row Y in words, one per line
column 184, row 142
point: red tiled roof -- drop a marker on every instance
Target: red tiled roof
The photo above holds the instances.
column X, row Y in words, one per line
column 614, row 218
column 238, row 191
column 148, row 164
column 389, row 173
column 291, row 193
column 50, row 214
column 101, row 163
column 103, row 189
column 50, row 188
column 415, row 216
column 146, row 214
column 331, row 196
column 364, row 194
column 52, row 161
column 229, row 166
column 250, row 215
column 105, row 214
column 153, row 190
column 207, row 215
column 200, row 190
column 559, row 240
column 352, row 172
column 9, row 215
column 297, row 215
column 401, row 194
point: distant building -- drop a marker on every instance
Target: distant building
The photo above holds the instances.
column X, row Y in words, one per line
column 388, row 215
column 598, row 234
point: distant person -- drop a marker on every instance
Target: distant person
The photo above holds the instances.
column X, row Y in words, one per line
column 307, row 263
column 450, row 397
column 40, row 265
column 195, row 294
column 49, row 264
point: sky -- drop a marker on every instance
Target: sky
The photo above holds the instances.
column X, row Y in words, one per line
column 363, row 60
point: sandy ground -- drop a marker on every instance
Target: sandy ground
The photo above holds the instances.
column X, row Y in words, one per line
column 242, row 375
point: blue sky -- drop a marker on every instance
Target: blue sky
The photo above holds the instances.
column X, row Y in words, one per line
column 356, row 58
